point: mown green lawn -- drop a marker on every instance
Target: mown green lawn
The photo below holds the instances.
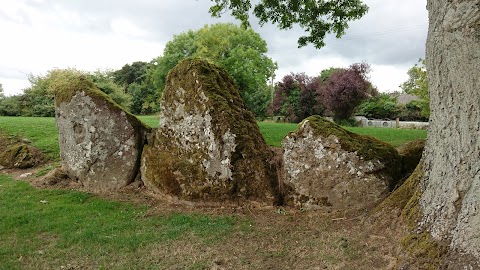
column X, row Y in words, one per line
column 42, row 131
column 44, row 134
column 275, row 132
column 150, row 120
column 60, row 229
column 46, row 229
column 393, row 136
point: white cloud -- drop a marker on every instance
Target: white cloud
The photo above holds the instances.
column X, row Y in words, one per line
column 40, row 35
column 388, row 78
column 126, row 28
column 15, row 86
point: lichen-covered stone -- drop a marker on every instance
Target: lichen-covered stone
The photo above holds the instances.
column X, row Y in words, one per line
column 100, row 143
column 20, row 156
column 326, row 166
column 207, row 146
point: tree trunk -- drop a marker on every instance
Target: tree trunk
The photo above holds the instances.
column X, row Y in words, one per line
column 451, row 188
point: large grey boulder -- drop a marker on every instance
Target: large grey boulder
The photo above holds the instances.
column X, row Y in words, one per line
column 100, row 143
column 326, row 166
column 208, row 146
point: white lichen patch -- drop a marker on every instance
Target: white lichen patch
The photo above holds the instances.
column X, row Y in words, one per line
column 193, row 132
column 97, row 142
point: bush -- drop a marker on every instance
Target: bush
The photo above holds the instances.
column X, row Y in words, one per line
column 345, row 89
column 296, row 97
column 349, row 122
column 412, row 112
column 379, row 107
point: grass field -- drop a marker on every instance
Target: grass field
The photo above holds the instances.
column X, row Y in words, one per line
column 43, row 132
column 59, row 229
column 63, row 229
column 275, row 132
column 46, row 229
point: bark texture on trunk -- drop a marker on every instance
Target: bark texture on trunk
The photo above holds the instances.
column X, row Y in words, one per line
column 451, row 188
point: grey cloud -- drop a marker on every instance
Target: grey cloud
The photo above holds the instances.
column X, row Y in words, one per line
column 392, row 33
column 11, row 73
column 162, row 19
column 403, row 25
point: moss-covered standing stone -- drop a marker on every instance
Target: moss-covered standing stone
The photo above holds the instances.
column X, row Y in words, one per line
column 100, row 143
column 208, row 145
column 326, row 166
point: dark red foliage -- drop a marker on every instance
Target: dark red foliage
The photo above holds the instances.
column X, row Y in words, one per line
column 296, row 97
column 345, row 89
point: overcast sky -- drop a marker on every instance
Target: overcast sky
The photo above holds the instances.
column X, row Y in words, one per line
column 38, row 35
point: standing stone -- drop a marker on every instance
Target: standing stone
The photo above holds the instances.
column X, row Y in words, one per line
column 100, row 143
column 208, row 146
column 328, row 167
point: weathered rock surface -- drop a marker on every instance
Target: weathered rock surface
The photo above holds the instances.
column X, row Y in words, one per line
column 328, row 167
column 100, row 143
column 21, row 156
column 208, row 146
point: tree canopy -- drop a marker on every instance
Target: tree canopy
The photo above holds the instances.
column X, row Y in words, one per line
column 37, row 100
column 345, row 89
column 242, row 52
column 137, row 80
column 296, row 97
column 417, row 85
column 316, row 17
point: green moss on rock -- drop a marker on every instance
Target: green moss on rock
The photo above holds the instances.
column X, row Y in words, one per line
column 367, row 147
column 420, row 249
column 79, row 83
column 208, row 143
column 20, row 156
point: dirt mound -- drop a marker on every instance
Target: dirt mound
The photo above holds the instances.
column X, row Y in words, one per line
column 16, row 154
column 411, row 153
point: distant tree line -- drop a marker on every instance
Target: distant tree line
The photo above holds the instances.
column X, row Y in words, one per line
column 335, row 92
column 387, row 105
column 138, row 86
column 341, row 93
